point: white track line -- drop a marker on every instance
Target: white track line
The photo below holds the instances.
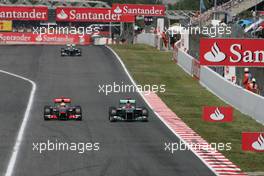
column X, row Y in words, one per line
column 19, row 138
column 140, row 93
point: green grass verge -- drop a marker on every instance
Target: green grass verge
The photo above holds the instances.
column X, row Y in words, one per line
column 186, row 97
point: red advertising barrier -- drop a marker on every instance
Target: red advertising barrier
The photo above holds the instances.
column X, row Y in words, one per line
column 139, row 9
column 50, row 39
column 90, row 15
column 232, row 52
column 39, row 13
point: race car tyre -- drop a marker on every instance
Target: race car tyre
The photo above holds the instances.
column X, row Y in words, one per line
column 112, row 113
column 78, row 111
column 47, row 111
column 111, row 119
column 46, row 118
column 145, row 120
column 79, row 118
column 144, row 111
column 62, row 52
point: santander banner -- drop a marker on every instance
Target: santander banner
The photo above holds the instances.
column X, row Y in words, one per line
column 253, row 141
column 139, row 9
column 39, row 13
column 90, row 15
column 232, row 52
column 217, row 114
column 30, row 38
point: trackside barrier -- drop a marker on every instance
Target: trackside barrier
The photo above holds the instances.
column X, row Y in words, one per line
column 47, row 39
column 185, row 61
column 147, row 38
column 247, row 102
column 103, row 41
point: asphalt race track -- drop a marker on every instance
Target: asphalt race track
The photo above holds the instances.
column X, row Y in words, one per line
column 126, row 149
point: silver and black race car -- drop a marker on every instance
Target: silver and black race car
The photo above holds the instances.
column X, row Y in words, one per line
column 71, row 50
column 128, row 111
column 62, row 110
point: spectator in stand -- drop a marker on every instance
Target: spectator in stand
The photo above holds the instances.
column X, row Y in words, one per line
column 253, row 87
column 247, row 77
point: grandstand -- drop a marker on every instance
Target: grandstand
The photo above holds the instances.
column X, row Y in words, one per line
column 55, row 3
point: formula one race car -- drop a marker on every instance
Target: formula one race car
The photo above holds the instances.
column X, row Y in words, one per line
column 71, row 50
column 62, row 110
column 127, row 111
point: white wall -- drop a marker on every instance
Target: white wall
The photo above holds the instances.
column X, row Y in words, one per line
column 185, row 61
column 243, row 100
column 147, row 38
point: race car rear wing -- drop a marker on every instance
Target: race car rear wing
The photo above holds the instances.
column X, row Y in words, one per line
column 126, row 101
column 60, row 100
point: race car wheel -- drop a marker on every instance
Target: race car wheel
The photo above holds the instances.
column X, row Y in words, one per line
column 145, row 120
column 78, row 111
column 111, row 119
column 46, row 118
column 144, row 111
column 47, row 112
column 62, row 52
column 79, row 118
column 112, row 113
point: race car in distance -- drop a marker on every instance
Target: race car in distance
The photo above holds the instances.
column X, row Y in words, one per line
column 71, row 50
column 128, row 111
column 62, row 110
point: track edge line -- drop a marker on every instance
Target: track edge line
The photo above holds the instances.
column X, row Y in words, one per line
column 19, row 137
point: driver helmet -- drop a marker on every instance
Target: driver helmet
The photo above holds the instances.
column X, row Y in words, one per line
column 128, row 104
column 246, row 70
